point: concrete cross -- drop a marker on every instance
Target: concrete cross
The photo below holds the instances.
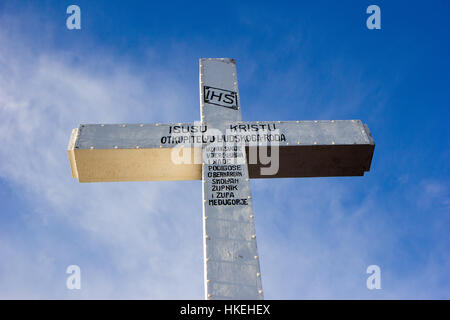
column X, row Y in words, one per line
column 224, row 152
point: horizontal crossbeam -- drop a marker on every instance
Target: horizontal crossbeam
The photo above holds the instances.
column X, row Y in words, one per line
column 144, row 152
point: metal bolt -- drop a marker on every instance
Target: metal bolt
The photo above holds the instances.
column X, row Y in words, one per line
column 91, row 148
column 141, row 125
column 102, row 125
column 256, row 257
column 260, row 291
column 253, row 236
column 252, row 216
column 115, row 147
column 258, row 274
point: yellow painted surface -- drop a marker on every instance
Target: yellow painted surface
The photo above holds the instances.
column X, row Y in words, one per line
column 108, row 165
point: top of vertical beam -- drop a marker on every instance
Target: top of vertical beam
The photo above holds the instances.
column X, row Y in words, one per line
column 219, row 75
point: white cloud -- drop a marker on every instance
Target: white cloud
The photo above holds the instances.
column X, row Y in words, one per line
column 150, row 232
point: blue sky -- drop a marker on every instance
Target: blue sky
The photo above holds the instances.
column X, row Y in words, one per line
column 137, row 61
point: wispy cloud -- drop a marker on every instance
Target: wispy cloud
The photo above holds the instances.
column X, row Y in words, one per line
column 148, row 235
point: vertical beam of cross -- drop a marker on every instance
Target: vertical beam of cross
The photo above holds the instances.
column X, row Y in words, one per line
column 231, row 261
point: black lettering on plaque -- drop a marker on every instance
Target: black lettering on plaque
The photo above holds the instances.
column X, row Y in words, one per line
column 220, row 97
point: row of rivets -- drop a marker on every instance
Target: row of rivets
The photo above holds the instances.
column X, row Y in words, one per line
column 287, row 143
column 141, row 125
